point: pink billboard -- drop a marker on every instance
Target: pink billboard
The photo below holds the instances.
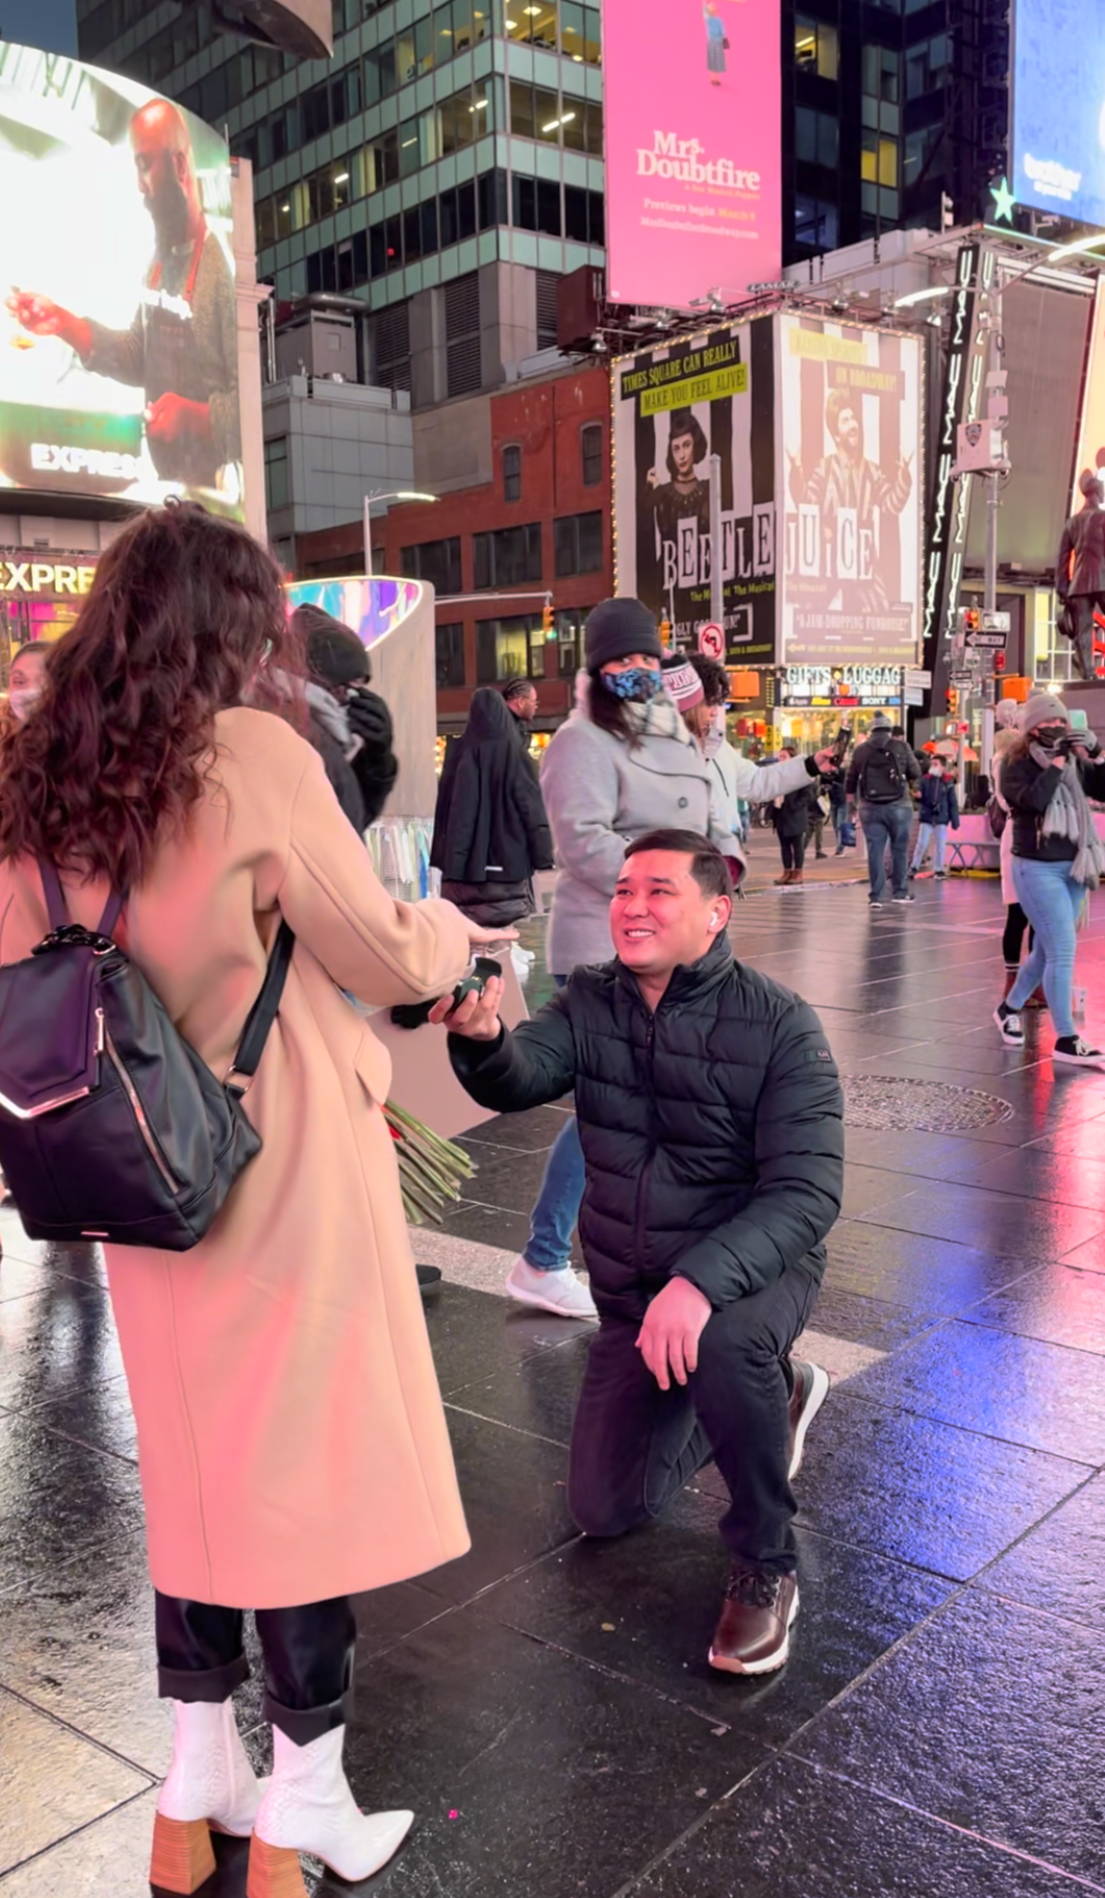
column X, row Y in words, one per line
column 693, row 103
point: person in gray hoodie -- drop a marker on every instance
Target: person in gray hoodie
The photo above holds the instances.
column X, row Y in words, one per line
column 623, row 763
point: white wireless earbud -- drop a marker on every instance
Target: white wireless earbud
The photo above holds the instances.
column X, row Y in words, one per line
column 713, row 919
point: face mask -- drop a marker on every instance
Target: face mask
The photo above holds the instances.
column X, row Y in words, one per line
column 22, row 700
column 639, row 684
column 716, row 733
column 1049, row 735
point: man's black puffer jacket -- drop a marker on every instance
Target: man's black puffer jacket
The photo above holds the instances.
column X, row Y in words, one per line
column 712, row 1130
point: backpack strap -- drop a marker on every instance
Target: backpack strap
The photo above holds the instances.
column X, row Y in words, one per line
column 262, row 1014
column 56, row 906
column 110, row 918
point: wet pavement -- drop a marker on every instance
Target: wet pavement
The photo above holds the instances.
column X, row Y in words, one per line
column 545, row 1704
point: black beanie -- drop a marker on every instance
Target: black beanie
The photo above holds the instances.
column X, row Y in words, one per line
column 618, row 627
column 334, row 653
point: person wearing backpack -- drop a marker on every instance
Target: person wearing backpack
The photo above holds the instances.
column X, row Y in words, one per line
column 292, row 1442
column 880, row 775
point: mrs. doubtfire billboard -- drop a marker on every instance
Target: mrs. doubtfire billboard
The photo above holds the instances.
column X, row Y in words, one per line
column 692, row 104
column 118, row 322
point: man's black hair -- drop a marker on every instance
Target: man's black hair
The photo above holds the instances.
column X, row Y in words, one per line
column 715, row 679
column 708, row 867
column 517, row 689
column 897, row 731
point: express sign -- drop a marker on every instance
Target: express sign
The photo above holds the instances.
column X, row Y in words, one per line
column 31, row 578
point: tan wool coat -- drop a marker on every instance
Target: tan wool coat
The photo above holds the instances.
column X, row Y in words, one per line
column 292, row 1441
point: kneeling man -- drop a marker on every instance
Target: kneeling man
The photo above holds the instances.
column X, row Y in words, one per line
column 710, row 1113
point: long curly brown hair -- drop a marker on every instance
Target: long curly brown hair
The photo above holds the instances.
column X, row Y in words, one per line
column 185, row 617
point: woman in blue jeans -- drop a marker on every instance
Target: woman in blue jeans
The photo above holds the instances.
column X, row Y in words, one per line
column 1047, row 778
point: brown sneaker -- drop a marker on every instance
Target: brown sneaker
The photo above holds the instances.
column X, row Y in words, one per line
column 811, row 1387
column 753, row 1635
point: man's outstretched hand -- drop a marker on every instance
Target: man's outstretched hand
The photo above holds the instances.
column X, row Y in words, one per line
column 674, row 1323
column 477, row 1018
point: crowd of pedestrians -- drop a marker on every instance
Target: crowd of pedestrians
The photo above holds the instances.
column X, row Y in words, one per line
column 195, row 763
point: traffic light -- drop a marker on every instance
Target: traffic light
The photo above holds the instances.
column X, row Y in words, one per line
column 665, row 631
column 999, row 662
column 548, row 619
column 972, row 619
column 953, row 699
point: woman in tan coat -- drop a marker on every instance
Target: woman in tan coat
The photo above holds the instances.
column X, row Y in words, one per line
column 292, row 1442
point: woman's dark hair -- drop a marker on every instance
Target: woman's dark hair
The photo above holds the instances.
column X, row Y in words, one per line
column 708, row 867
column 715, row 679
column 185, row 618
column 685, row 422
column 38, row 646
column 609, row 712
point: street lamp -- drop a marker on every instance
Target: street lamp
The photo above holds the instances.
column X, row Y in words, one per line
column 386, row 494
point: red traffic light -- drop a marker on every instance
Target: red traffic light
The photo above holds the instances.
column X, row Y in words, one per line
column 999, row 662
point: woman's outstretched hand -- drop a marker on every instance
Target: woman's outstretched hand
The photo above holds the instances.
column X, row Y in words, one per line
column 481, row 938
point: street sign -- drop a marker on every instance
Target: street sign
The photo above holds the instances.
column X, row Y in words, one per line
column 987, row 641
column 996, row 622
column 914, row 698
column 711, row 640
column 917, row 679
column 962, row 680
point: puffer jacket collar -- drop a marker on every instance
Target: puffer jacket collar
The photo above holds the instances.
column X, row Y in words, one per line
column 690, row 982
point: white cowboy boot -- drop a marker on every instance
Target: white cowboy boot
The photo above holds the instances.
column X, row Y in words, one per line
column 308, row 1807
column 210, row 1787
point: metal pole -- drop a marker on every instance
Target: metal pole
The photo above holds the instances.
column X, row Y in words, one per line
column 995, row 407
column 368, row 536
column 717, row 565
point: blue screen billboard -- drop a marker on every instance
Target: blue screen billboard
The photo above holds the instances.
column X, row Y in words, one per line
column 1059, row 109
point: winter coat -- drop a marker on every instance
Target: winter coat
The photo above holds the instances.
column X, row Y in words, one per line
column 292, row 1445
column 712, row 1130
column 939, row 804
column 490, row 828
column 361, row 769
column 794, row 816
column 1084, row 539
column 881, row 740
column 601, row 792
column 1028, row 789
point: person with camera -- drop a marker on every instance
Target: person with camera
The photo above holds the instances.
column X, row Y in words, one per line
column 1048, row 775
column 710, row 1115
column 350, row 726
column 939, row 811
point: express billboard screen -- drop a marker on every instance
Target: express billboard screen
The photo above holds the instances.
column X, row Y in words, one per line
column 692, row 99
column 850, row 409
column 1058, row 114
column 675, row 408
column 118, row 324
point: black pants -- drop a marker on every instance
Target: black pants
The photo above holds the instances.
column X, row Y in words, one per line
column 634, row 1445
column 793, row 852
column 308, row 1660
column 1012, row 941
column 1083, row 606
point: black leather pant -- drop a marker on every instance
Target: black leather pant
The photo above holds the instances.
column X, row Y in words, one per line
column 308, row 1660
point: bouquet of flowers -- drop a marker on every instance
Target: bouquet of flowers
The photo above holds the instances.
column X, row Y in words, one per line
column 430, row 1169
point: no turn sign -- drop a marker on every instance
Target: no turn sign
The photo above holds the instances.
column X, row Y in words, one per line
column 711, row 640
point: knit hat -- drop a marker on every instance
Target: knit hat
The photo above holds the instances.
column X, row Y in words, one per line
column 618, row 627
column 1042, row 708
column 1008, row 715
column 880, row 723
column 682, row 683
column 334, row 653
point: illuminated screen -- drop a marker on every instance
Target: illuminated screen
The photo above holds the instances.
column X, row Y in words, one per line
column 1059, row 110
column 118, row 325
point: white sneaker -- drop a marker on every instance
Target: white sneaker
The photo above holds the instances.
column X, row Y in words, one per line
column 308, row 1807
column 210, row 1787
column 562, row 1293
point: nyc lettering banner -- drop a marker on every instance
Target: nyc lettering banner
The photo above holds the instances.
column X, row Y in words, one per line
column 692, row 101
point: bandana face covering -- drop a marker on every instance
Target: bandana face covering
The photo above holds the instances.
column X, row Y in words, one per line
column 638, row 683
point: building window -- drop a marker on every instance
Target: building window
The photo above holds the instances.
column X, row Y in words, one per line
column 436, row 561
column 571, row 624
column 578, row 544
column 505, row 649
column 509, row 556
column 512, row 473
column 815, row 223
column 590, row 453
column 927, row 66
column 879, row 160
column 816, row 47
column 881, row 74
column 449, row 655
column 276, row 472
column 816, row 137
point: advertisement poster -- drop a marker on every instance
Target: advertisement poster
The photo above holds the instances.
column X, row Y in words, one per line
column 1090, row 454
column 850, row 407
column 674, row 409
column 118, row 321
column 1058, row 115
column 692, row 98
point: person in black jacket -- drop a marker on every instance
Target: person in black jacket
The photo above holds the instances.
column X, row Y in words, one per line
column 792, row 816
column 710, row 1114
column 1047, row 776
column 1080, row 571
column 490, row 828
column 350, row 726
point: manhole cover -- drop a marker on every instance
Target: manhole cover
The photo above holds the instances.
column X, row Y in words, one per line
column 886, row 1104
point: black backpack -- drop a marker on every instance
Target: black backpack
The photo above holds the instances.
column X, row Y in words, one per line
column 883, row 779
column 111, row 1127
